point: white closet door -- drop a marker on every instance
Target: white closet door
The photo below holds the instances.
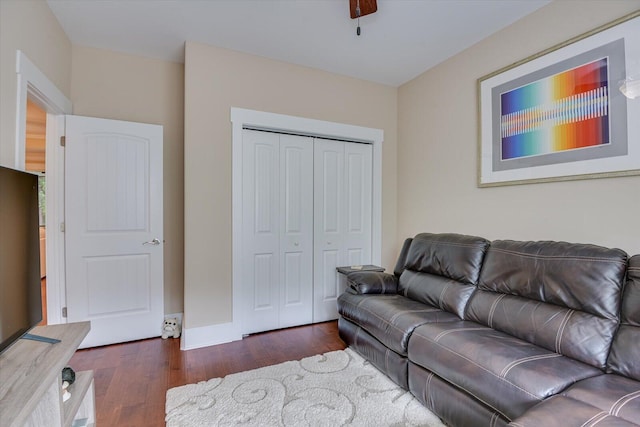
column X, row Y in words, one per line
column 358, row 204
column 306, row 210
column 278, row 230
column 296, row 230
column 329, row 227
column 342, row 218
column 261, row 234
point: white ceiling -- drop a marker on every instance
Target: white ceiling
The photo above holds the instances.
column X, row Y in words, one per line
column 400, row 41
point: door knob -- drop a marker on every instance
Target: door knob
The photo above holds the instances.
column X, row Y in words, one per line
column 154, row 242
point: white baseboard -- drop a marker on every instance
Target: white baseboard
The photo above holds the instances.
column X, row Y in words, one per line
column 205, row 336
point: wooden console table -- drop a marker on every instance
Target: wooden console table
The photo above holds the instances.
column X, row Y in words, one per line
column 31, row 381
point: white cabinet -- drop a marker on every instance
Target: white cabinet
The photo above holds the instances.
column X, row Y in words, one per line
column 306, row 208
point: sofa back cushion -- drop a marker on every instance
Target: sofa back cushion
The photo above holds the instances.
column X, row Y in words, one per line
column 561, row 296
column 442, row 270
column 624, row 358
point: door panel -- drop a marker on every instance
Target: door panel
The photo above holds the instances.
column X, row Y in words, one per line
column 121, row 275
column 118, row 187
column 277, row 180
column 292, row 276
column 261, row 230
column 329, row 197
column 330, row 260
column 113, row 205
column 331, row 187
column 343, row 208
column 296, row 238
column 355, row 194
column 263, row 278
column 358, row 176
column 355, row 257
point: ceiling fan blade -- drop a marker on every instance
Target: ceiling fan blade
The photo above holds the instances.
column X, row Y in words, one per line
column 366, row 7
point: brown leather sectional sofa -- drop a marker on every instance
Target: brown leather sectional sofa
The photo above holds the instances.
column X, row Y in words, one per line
column 505, row 332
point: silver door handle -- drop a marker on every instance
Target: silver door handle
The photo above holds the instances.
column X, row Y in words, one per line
column 154, row 242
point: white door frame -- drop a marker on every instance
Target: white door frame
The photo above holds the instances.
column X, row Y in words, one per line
column 242, row 118
column 34, row 84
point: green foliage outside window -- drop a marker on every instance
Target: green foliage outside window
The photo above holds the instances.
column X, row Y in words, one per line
column 42, row 203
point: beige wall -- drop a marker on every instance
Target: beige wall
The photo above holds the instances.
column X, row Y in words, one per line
column 218, row 79
column 103, row 84
column 31, row 27
column 117, row 86
column 429, row 153
column 437, row 149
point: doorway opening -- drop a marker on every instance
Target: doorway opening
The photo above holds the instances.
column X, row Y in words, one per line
column 34, row 86
column 35, row 161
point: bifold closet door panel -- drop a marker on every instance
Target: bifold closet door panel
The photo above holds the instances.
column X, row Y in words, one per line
column 261, row 230
column 296, row 230
column 329, row 200
column 277, row 230
column 358, row 204
column 342, row 218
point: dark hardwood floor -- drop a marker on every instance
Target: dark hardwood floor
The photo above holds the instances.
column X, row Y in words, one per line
column 131, row 379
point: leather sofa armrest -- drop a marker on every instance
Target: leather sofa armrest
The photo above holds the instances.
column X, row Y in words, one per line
column 402, row 258
column 372, row 282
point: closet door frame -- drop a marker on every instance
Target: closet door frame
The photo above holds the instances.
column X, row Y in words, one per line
column 259, row 120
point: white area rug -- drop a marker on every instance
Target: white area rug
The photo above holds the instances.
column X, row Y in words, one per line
column 333, row 389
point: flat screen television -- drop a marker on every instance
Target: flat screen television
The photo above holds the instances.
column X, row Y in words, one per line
column 20, row 292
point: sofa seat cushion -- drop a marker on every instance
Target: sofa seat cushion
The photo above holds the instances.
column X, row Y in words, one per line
column 389, row 318
column 452, row 405
column 613, row 394
column 506, row 373
column 563, row 411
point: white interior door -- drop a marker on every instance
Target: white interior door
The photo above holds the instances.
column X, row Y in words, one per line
column 342, row 218
column 114, row 228
column 277, row 230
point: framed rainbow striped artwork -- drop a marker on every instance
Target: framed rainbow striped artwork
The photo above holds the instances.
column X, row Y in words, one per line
column 560, row 115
